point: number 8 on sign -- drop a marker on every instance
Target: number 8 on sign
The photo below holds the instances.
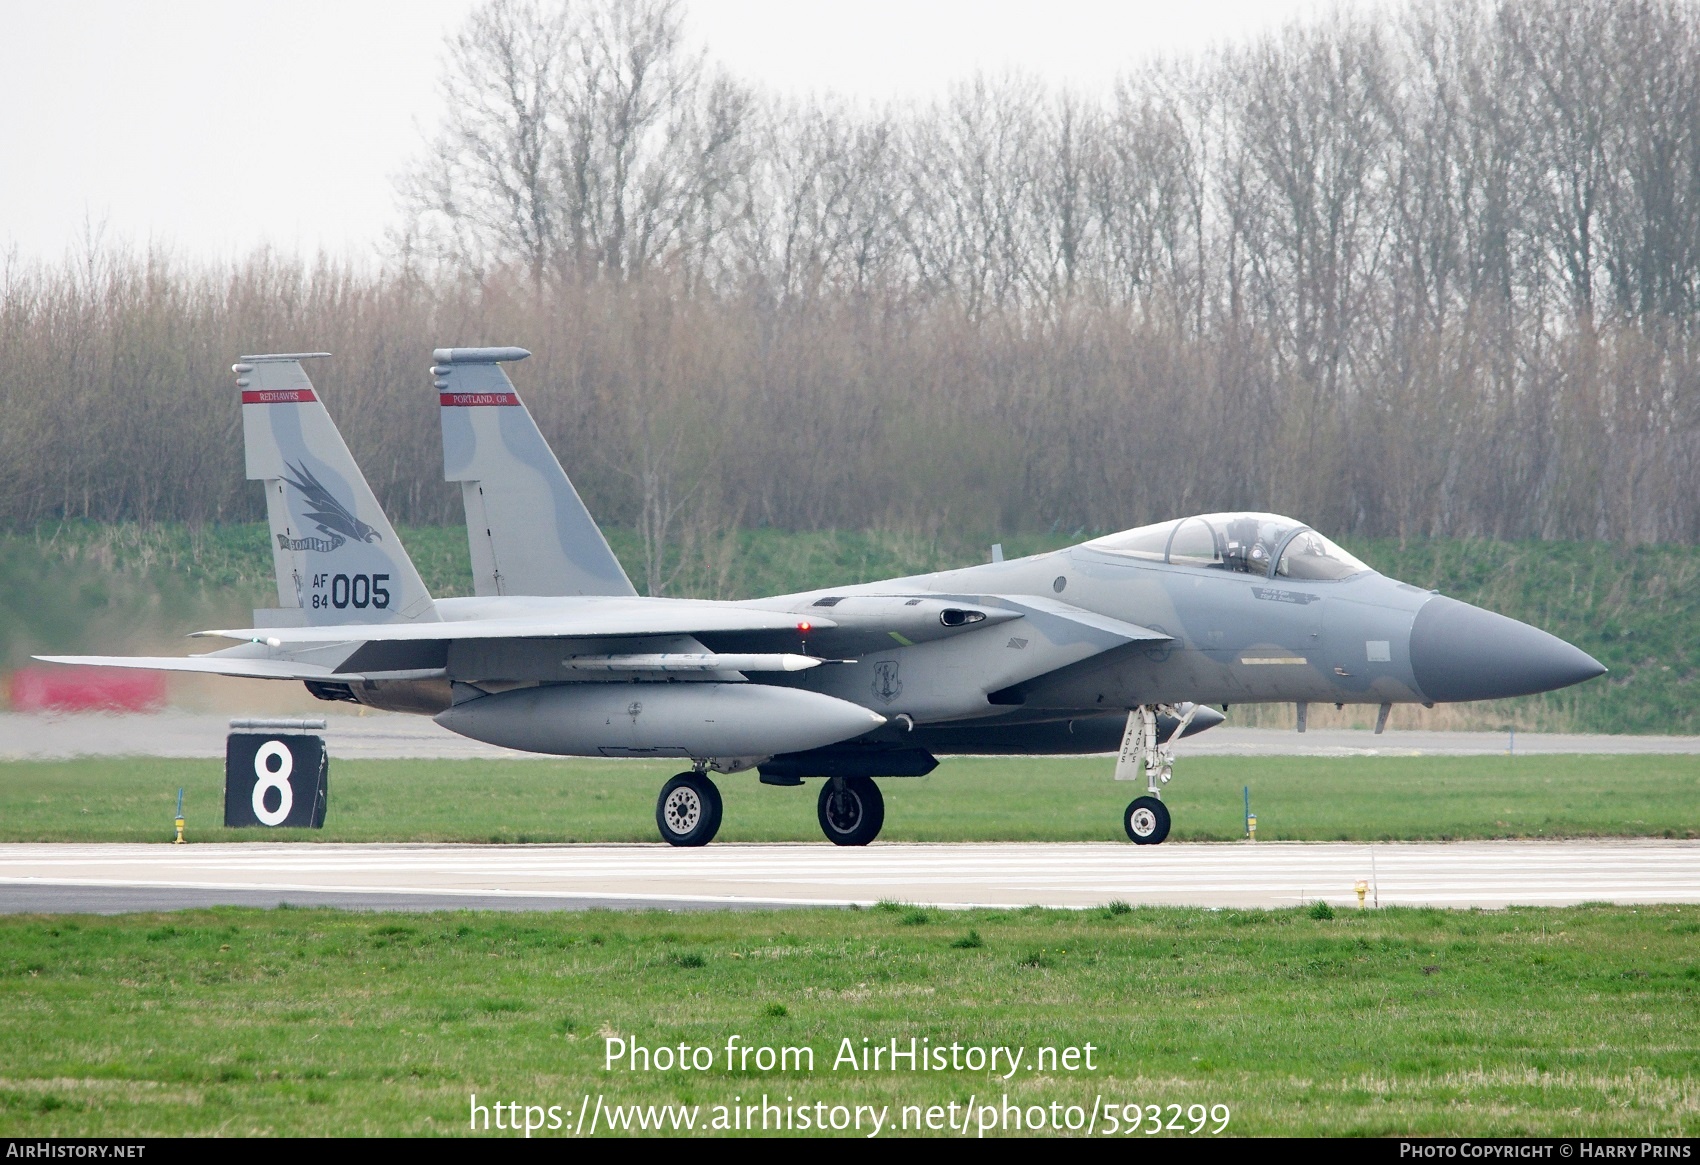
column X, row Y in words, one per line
column 278, row 780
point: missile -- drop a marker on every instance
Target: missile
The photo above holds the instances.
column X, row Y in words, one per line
column 679, row 661
column 695, row 720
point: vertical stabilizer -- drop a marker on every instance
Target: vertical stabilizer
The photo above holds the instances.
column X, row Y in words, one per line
column 338, row 559
column 529, row 532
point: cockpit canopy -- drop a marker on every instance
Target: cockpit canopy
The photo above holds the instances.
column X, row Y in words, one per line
column 1258, row 544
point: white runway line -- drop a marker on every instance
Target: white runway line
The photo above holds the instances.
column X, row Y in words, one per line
column 1486, row 874
column 388, row 736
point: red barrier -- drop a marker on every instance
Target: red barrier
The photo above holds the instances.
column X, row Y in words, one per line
column 86, row 689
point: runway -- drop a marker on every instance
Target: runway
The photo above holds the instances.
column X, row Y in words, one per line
column 389, row 736
column 113, row 878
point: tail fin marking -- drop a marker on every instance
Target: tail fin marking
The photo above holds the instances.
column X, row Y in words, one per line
column 336, row 556
column 529, row 531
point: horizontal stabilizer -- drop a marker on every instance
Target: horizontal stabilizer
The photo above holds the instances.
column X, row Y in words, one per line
column 253, row 669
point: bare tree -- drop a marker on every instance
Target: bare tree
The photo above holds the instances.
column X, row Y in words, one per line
column 486, row 192
column 584, row 139
column 1435, row 274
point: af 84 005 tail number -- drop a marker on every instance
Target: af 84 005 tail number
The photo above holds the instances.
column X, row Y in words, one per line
column 351, row 590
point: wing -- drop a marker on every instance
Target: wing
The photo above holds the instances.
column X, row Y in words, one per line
column 1001, row 640
column 577, row 618
column 938, row 656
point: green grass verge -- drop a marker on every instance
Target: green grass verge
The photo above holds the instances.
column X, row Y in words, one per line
column 966, row 799
column 1519, row 1022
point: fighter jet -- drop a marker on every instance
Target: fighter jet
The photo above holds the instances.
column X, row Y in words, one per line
column 1120, row 643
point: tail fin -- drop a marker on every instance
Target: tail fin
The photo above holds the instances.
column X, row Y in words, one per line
column 530, row 533
column 338, row 559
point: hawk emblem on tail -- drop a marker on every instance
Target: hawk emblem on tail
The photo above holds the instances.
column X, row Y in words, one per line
column 331, row 516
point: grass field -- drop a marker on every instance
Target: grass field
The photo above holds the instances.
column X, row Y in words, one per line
column 1525, row 1021
column 979, row 799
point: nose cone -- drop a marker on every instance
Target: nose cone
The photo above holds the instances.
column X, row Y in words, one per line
column 1460, row 652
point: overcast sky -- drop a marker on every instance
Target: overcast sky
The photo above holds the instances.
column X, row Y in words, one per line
column 214, row 126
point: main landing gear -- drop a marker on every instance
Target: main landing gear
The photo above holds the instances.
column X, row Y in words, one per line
column 851, row 810
column 1147, row 818
column 688, row 811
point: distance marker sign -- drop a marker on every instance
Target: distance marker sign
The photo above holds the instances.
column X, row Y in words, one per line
column 275, row 779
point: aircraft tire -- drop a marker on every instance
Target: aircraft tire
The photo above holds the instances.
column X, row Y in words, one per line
column 1146, row 821
column 851, row 810
column 688, row 810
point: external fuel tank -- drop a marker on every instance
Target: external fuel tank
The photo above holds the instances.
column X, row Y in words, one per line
column 695, row 720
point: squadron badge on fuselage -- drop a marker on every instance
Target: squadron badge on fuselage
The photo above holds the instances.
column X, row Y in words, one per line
column 886, row 685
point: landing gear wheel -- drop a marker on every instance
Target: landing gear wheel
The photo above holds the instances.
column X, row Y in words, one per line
column 1146, row 821
column 688, row 810
column 851, row 810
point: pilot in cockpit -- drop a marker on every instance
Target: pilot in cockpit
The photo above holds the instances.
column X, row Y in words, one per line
column 1247, row 544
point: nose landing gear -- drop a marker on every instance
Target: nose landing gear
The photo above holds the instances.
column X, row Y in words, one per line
column 1146, row 821
column 1147, row 818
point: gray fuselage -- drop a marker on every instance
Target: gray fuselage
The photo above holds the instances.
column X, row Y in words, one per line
column 1237, row 637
